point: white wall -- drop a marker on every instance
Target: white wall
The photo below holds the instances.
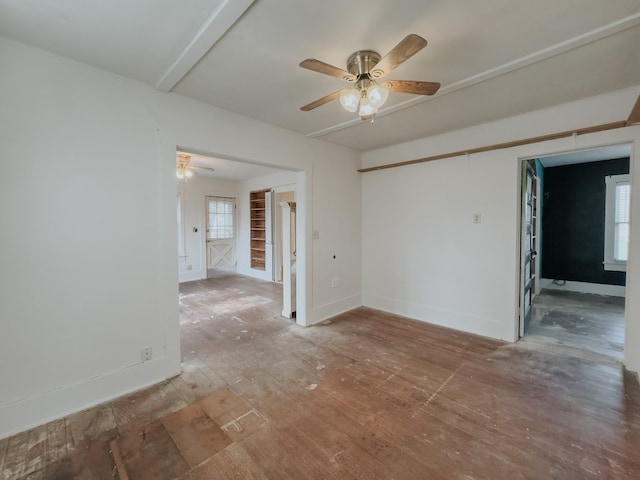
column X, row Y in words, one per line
column 422, row 255
column 194, row 193
column 88, row 260
column 339, row 232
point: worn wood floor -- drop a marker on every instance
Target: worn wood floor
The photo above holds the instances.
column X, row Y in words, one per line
column 581, row 323
column 366, row 395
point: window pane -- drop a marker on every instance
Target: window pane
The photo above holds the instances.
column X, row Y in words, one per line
column 621, row 245
column 623, row 198
column 621, row 240
column 220, row 218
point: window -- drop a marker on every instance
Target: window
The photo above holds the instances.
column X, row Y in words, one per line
column 220, row 213
column 616, row 239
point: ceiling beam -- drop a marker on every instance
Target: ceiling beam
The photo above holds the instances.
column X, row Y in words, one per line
column 220, row 20
column 498, row 146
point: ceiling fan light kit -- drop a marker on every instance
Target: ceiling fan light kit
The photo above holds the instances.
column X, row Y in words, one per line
column 364, row 67
column 367, row 96
column 184, row 170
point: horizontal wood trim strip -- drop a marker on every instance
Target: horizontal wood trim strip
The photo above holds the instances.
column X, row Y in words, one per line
column 498, row 146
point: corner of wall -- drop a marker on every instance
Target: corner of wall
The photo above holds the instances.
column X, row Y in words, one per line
column 324, row 312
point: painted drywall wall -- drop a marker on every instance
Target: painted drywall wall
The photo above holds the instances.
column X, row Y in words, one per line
column 573, row 222
column 336, row 244
column 193, row 195
column 425, row 258
column 88, row 240
column 88, row 264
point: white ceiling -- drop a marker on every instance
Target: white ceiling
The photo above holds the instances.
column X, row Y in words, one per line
column 494, row 58
column 609, row 152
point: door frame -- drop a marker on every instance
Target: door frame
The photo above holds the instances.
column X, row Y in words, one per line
column 518, row 320
column 304, row 196
column 277, row 229
column 526, row 284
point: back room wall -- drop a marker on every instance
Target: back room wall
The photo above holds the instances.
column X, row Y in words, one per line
column 573, row 222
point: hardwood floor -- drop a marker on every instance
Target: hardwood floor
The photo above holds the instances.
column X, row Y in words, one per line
column 366, row 395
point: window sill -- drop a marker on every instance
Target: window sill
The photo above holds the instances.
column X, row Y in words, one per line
column 615, row 266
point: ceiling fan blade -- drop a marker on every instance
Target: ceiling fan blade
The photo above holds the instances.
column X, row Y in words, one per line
column 411, row 86
column 198, row 167
column 325, row 68
column 323, row 100
column 634, row 116
column 407, row 48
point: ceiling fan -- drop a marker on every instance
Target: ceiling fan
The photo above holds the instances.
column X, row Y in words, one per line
column 184, row 169
column 364, row 68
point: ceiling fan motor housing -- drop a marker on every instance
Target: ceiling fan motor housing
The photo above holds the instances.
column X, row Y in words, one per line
column 361, row 62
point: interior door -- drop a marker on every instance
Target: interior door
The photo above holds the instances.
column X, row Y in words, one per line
column 528, row 245
column 221, row 238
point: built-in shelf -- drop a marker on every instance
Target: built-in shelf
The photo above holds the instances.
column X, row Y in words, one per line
column 258, row 230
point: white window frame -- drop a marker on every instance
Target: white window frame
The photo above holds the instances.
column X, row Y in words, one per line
column 610, row 263
column 230, row 201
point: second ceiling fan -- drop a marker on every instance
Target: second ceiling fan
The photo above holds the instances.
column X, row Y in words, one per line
column 184, row 169
column 364, row 68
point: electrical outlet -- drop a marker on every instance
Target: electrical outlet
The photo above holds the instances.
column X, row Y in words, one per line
column 477, row 218
column 147, row 354
column 335, row 283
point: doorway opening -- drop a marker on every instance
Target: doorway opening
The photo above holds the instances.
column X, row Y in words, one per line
column 284, row 194
column 573, row 245
column 216, row 223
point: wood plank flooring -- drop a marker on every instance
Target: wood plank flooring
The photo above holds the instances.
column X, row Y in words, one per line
column 366, row 395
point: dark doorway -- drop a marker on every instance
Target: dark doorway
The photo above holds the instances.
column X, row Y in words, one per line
column 576, row 298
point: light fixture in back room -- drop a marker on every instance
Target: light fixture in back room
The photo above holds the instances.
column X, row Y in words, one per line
column 184, row 169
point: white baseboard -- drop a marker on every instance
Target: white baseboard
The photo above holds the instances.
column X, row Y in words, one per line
column 584, row 287
column 27, row 413
column 437, row 316
column 328, row 310
column 252, row 272
column 190, row 276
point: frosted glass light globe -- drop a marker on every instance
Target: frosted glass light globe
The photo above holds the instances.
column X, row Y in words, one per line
column 350, row 100
column 366, row 108
column 377, row 95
